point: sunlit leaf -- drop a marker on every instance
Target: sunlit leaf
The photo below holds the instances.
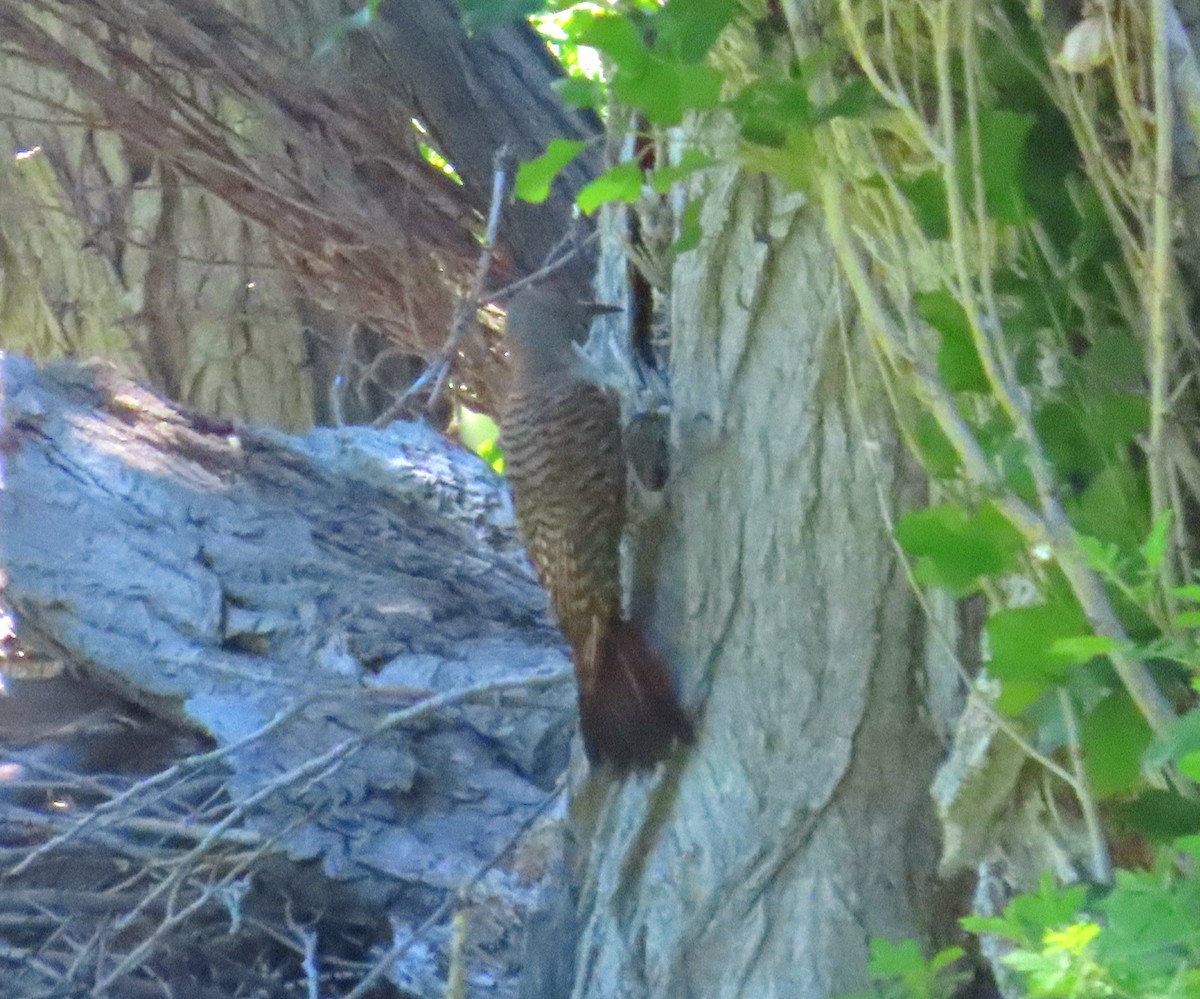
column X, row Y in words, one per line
column 1081, row 648
column 894, row 960
column 535, row 177
column 663, row 178
column 791, row 164
column 1189, row 765
column 1021, row 640
column 665, row 91
column 687, row 28
column 622, row 182
column 955, row 547
column 615, row 36
column 579, row 92
column 1155, row 548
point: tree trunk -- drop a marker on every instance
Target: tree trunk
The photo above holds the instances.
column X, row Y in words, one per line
column 800, row 825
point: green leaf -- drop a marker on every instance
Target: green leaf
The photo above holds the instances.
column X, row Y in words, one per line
column 1002, row 140
column 615, row 36
column 622, row 182
column 1113, row 362
column 1116, row 418
column 1114, row 507
column 926, row 193
column 1095, row 236
column 1081, row 648
column 1181, row 738
column 1187, row 619
column 687, row 29
column 1189, row 592
column 1022, row 641
column 1027, row 917
column 664, row 178
column 771, row 108
column 666, row 91
column 1155, row 548
column 958, row 361
column 690, row 232
column 1162, row 815
column 894, row 960
column 955, row 548
column 938, row 457
column 791, row 163
column 1189, row 765
column 1149, row 926
column 1016, row 697
column 946, row 957
column 1060, row 427
column 579, row 92
column 535, row 177
column 994, row 926
column 1114, row 737
column 857, row 99
column 479, row 15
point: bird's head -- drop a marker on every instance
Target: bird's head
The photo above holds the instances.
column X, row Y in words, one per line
column 545, row 326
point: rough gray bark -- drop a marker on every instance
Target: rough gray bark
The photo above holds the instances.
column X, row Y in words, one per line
column 760, row 863
column 225, row 576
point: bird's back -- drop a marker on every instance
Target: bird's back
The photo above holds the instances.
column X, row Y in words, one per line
column 563, row 459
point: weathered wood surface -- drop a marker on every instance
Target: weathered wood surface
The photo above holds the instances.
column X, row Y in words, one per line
column 220, row 576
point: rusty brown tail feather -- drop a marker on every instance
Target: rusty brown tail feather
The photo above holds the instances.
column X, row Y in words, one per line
column 629, row 713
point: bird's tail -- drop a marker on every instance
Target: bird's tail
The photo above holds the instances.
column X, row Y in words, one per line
column 629, row 712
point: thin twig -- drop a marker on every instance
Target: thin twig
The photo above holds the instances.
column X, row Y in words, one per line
column 166, row 777
column 1158, row 327
column 468, row 306
column 556, row 263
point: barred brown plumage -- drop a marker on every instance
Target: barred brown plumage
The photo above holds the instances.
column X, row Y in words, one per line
column 561, row 434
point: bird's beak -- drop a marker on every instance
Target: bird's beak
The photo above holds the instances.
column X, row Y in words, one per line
column 600, row 309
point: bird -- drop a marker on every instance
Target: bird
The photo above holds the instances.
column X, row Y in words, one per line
column 560, row 430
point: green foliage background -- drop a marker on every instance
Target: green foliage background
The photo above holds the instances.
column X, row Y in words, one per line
column 998, row 191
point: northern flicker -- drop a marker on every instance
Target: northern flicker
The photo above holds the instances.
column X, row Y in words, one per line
column 561, row 433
